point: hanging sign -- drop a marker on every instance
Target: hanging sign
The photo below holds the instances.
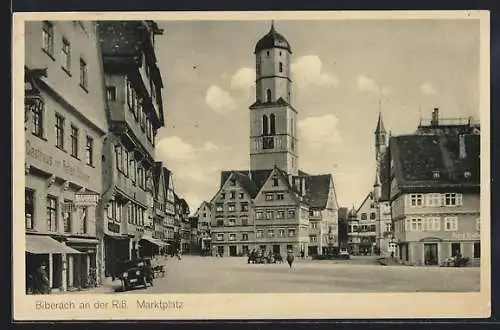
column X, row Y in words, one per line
column 86, row 199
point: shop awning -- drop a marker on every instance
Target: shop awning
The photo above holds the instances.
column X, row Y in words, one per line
column 155, row 241
column 47, row 245
column 78, row 240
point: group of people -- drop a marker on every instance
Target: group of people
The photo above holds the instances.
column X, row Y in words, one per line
column 38, row 281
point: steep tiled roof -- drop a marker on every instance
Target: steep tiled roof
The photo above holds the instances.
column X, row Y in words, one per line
column 317, row 189
column 380, row 125
column 385, row 172
column 417, row 157
column 118, row 38
column 252, row 183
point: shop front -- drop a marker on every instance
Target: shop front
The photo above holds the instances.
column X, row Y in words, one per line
column 116, row 250
column 82, row 268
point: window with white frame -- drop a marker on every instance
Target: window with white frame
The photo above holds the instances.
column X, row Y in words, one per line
column 231, row 207
column 269, row 197
column 280, row 214
column 259, row 215
column 220, row 237
column 452, row 199
column 232, row 237
column 407, row 224
column 416, row 200
column 291, row 214
column 231, row 222
column 291, row 232
column 388, row 227
column 280, row 197
column 313, row 238
column 314, row 225
column 218, row 207
column 259, row 233
column 270, row 233
column 450, row 223
column 269, row 215
column 433, row 200
column 432, row 224
column 281, row 232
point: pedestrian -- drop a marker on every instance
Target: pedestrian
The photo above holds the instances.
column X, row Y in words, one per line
column 289, row 258
column 42, row 285
column 179, row 254
column 302, row 253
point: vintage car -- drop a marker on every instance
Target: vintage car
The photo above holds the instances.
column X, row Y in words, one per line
column 344, row 254
column 136, row 273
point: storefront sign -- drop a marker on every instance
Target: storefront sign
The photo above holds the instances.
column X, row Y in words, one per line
column 86, row 199
column 466, row 236
column 39, row 155
column 113, row 227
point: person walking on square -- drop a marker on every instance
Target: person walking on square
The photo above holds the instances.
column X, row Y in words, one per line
column 289, row 258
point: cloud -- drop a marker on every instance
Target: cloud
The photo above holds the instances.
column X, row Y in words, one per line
column 219, row 100
column 243, row 79
column 428, row 89
column 386, row 90
column 209, row 146
column 367, row 84
column 175, row 148
column 318, row 131
column 307, row 71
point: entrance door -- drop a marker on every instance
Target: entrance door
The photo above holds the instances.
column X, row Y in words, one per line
column 431, row 254
column 232, row 251
column 220, row 250
column 57, row 271
column 276, row 249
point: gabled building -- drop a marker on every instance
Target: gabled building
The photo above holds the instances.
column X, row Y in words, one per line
column 271, row 205
column 134, row 95
column 204, row 216
column 367, row 225
column 353, row 237
column 169, row 224
column 435, row 191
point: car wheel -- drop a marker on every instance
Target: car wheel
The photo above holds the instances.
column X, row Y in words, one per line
column 145, row 281
column 124, row 286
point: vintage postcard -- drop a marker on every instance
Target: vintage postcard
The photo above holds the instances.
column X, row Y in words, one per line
column 251, row 165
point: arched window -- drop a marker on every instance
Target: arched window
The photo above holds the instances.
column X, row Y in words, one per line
column 273, row 124
column 268, row 94
column 264, row 125
column 281, row 67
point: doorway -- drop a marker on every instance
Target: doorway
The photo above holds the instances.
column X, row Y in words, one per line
column 232, row 251
column 220, row 250
column 276, row 249
column 431, row 254
column 57, row 271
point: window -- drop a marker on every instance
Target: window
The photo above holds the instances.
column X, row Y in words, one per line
column 435, row 174
column 416, row 224
column 434, row 199
column 313, row 238
column 281, row 67
column 407, row 226
column 118, row 212
column 455, row 249
column 220, row 237
column 260, row 233
column 244, row 222
column 51, row 214
column 452, row 199
column 233, row 194
column 373, row 216
column 242, row 195
column 59, row 131
column 84, row 220
column 477, row 250
column 222, row 196
column 66, row 55
column 364, row 216
column 432, row 224
column 118, row 157
column 231, row 222
column 478, row 224
column 269, row 215
column 273, row 124
column 231, row 207
column 373, row 228
column 265, row 126
column 29, row 208
column 291, row 214
column 89, row 151
column 268, row 95
column 314, row 225
column 244, row 207
column 37, row 127
column 291, row 232
column 388, row 227
column 132, row 169
column 67, row 215
column 218, row 207
column 232, row 182
column 269, row 197
column 74, row 141
column 244, row 237
column 130, row 215
column 280, row 197
column 275, row 182
column 280, row 215
column 232, row 237
column 48, row 38
column 450, row 223
column 111, row 93
column 281, row 232
column 83, row 74
column 270, row 233
column 467, row 174
column 220, row 223
column 416, row 200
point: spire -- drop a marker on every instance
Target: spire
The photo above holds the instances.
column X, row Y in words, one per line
column 272, row 26
column 380, row 124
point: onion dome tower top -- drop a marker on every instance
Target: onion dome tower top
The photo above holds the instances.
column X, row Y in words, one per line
column 272, row 40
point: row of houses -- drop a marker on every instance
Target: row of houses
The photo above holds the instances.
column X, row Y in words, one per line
column 425, row 203
column 94, row 194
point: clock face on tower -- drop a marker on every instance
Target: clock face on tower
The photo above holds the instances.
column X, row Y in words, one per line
column 268, row 142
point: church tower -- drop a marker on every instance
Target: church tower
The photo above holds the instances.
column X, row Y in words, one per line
column 380, row 138
column 273, row 120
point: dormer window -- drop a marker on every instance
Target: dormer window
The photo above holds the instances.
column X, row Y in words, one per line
column 436, row 174
column 467, row 174
column 275, row 182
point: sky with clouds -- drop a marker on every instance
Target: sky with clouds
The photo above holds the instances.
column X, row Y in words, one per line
column 344, row 71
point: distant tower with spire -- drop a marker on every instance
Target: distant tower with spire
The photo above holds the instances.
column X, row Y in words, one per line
column 380, row 137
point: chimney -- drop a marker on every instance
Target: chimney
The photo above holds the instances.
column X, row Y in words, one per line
column 435, row 117
column 462, row 152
